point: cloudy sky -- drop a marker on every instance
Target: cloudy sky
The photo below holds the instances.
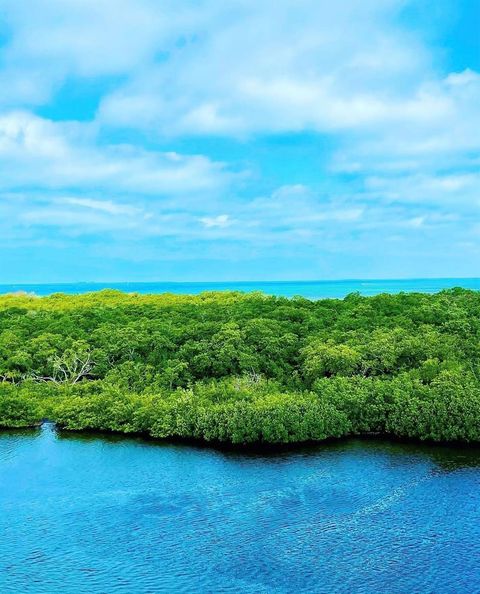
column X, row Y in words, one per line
column 248, row 139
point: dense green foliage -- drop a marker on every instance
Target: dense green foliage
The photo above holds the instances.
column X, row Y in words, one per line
column 244, row 367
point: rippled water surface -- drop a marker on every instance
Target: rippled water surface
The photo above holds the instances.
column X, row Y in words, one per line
column 116, row 515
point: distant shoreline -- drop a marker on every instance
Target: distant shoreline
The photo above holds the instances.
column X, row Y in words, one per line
column 309, row 289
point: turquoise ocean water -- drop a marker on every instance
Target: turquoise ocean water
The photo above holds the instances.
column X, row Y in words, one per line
column 308, row 289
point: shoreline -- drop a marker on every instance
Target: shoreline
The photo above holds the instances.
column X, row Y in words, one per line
column 245, row 448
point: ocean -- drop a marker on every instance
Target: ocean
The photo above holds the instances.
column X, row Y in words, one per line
column 308, row 289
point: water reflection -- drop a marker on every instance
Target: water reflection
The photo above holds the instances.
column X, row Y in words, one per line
column 447, row 457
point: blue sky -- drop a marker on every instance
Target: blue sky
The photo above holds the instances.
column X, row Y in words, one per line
column 241, row 140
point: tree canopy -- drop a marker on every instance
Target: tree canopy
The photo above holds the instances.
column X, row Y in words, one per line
column 230, row 366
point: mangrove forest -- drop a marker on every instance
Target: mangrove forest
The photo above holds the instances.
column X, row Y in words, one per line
column 244, row 367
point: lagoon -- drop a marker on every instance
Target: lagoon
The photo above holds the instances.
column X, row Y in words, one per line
column 91, row 513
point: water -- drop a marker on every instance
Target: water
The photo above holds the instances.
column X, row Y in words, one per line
column 308, row 289
column 83, row 514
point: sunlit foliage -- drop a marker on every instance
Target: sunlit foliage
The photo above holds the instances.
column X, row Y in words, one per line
column 241, row 368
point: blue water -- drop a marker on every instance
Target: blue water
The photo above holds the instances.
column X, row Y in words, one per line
column 82, row 514
column 308, row 289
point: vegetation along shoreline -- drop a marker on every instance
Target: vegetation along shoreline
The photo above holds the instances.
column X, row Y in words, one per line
column 244, row 368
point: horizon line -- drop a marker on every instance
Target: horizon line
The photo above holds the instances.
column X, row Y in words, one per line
column 217, row 282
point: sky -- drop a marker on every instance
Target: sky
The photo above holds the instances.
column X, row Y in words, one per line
column 196, row 140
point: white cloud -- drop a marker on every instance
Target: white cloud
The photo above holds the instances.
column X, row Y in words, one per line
column 466, row 77
column 276, row 67
column 416, row 222
column 298, row 206
column 220, row 221
column 291, row 213
column 350, row 71
column 41, row 153
column 446, row 140
column 170, row 74
column 82, row 222
column 107, row 206
column 461, row 191
column 76, row 215
column 52, row 40
column 243, row 68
